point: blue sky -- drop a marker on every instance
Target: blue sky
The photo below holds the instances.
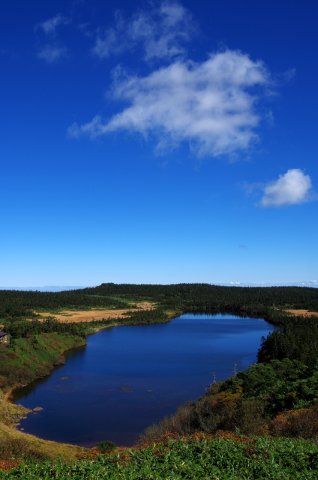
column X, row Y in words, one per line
column 158, row 142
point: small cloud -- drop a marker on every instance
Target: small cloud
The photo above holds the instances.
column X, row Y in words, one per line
column 160, row 32
column 286, row 76
column 92, row 129
column 50, row 26
column 51, row 53
column 210, row 105
column 52, row 50
column 86, row 29
column 252, row 188
column 291, row 188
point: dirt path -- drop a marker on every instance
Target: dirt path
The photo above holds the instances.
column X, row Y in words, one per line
column 79, row 316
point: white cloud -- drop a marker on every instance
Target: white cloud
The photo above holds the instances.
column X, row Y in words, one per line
column 50, row 26
column 310, row 283
column 210, row 105
column 161, row 33
column 51, row 53
column 291, row 188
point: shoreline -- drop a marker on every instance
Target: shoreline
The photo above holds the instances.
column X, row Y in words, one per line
column 9, row 394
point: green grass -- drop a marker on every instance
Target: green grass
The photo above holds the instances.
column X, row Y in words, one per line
column 212, row 459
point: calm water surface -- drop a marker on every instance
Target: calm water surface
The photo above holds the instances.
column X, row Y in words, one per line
column 130, row 377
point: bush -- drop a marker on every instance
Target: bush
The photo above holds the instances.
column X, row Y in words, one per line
column 106, row 446
column 296, row 423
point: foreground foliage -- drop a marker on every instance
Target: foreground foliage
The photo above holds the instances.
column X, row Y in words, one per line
column 205, row 459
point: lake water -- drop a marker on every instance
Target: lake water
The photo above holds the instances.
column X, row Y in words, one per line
column 128, row 378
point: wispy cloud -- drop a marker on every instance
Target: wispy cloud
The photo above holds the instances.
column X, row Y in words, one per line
column 309, row 283
column 291, row 188
column 51, row 53
column 160, row 32
column 52, row 50
column 211, row 105
column 51, row 25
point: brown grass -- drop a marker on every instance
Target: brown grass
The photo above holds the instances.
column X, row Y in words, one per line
column 85, row 316
column 19, row 445
column 302, row 313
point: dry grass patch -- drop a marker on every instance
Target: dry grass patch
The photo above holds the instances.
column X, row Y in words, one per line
column 16, row 445
column 10, row 414
column 86, row 316
column 302, row 312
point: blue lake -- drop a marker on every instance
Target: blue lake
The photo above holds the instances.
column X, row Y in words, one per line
column 128, row 378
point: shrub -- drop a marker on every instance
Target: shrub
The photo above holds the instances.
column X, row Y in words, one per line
column 296, row 423
column 106, row 446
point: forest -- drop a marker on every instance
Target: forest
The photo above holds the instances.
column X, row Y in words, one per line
column 187, row 297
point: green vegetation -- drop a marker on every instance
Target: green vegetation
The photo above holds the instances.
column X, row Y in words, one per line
column 209, row 298
column 26, row 329
column 205, row 459
column 297, row 338
column 106, row 446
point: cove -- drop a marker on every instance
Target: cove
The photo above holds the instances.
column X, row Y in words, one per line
column 129, row 377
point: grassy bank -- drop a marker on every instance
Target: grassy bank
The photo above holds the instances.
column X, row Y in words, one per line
column 19, row 446
column 34, row 357
column 25, row 361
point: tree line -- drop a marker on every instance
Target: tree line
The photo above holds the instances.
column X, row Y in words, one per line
column 186, row 297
